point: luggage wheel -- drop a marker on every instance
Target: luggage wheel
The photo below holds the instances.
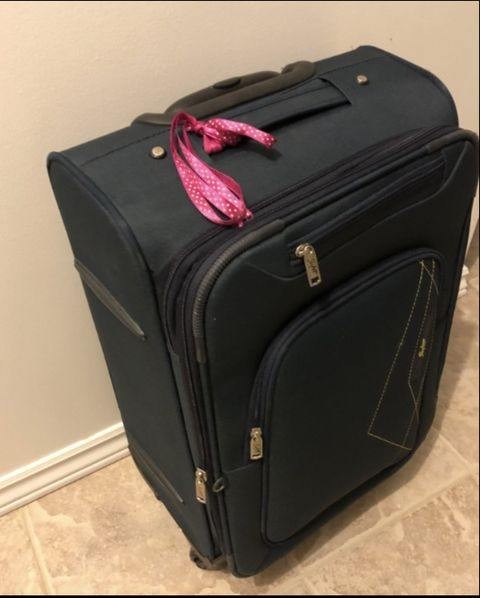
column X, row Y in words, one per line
column 204, row 563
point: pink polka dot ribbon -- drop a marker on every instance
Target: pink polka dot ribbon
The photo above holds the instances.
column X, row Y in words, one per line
column 216, row 195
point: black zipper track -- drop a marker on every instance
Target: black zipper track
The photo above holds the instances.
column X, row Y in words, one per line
column 211, row 267
column 354, row 165
column 189, row 349
column 401, row 185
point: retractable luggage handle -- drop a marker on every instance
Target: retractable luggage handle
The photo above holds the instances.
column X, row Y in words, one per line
column 232, row 92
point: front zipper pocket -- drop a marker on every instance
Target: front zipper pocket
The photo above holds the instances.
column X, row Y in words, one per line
column 338, row 395
column 407, row 189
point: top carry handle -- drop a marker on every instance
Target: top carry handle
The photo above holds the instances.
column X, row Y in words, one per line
column 232, row 92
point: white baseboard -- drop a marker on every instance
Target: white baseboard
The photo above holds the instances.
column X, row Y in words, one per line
column 58, row 469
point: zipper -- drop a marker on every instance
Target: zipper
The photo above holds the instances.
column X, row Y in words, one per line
column 206, row 468
column 198, row 419
column 212, row 267
column 306, row 251
column 354, row 165
column 267, row 372
column 201, row 485
column 256, row 444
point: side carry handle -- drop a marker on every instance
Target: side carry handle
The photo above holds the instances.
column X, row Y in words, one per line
column 232, row 92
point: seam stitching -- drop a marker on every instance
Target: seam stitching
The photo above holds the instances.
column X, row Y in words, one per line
column 432, row 276
column 400, row 345
column 420, row 390
column 415, row 348
column 406, row 448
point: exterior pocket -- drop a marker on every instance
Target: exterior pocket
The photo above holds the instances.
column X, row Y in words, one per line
column 338, row 395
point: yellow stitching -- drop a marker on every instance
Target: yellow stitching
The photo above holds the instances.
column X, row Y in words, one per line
column 432, row 275
column 406, row 448
column 415, row 350
column 398, row 351
column 420, row 390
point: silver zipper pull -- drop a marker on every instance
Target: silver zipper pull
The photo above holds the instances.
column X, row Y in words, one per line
column 307, row 253
column 256, row 444
column 201, row 485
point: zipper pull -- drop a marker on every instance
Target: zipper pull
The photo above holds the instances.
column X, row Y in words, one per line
column 307, row 253
column 256, row 444
column 201, row 485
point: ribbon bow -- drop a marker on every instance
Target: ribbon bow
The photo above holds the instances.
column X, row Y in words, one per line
column 216, row 195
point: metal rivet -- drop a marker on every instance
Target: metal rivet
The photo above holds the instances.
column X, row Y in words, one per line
column 362, row 79
column 158, row 152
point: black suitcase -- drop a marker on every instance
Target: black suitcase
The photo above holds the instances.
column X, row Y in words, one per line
column 268, row 373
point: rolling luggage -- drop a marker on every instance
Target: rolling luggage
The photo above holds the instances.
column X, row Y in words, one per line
column 274, row 307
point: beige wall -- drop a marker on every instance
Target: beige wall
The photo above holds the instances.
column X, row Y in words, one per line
column 71, row 71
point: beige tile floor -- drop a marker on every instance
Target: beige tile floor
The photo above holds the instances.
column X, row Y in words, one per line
column 414, row 534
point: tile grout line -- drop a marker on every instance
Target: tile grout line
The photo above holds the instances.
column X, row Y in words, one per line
column 295, row 563
column 310, row 585
column 466, row 463
column 37, row 551
column 383, row 523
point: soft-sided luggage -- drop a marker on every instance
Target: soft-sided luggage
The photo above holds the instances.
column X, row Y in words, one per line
column 269, row 371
